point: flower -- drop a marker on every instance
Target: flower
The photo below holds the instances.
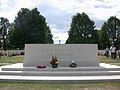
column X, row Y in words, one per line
column 54, row 60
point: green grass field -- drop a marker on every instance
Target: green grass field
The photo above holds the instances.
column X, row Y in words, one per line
column 4, row 60
column 37, row 86
column 104, row 59
column 80, row 86
column 13, row 59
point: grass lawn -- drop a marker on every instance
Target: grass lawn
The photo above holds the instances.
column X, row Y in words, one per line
column 37, row 86
column 104, row 59
column 4, row 60
column 81, row 86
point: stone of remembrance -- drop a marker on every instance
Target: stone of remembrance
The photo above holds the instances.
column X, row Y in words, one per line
column 84, row 55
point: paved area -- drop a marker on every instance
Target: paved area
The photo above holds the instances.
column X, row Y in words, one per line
column 108, row 65
column 17, row 65
column 60, row 79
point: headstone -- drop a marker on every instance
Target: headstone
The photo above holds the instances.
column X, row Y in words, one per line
column 84, row 55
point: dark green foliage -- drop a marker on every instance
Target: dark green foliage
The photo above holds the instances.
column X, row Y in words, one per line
column 110, row 32
column 82, row 30
column 29, row 27
column 49, row 36
column 104, row 37
column 4, row 27
column 113, row 25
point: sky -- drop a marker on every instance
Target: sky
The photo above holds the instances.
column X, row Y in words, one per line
column 59, row 13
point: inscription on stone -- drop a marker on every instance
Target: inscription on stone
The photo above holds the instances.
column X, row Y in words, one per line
column 83, row 54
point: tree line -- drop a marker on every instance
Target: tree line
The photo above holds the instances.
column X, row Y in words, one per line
column 82, row 31
column 30, row 27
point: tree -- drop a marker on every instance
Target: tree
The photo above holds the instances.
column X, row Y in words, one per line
column 104, row 37
column 82, row 30
column 29, row 27
column 4, row 26
column 110, row 32
column 113, row 28
column 49, row 36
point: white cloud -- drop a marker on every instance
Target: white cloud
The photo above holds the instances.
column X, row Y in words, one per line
column 60, row 36
column 27, row 3
column 70, row 6
column 106, row 8
column 4, row 5
column 63, row 4
column 3, row 2
column 10, row 8
column 58, row 12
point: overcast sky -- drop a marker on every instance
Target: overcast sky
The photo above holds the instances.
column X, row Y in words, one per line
column 58, row 13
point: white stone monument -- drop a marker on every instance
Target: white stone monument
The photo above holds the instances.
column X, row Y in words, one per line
column 84, row 55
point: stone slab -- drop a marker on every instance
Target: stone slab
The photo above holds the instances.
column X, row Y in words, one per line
column 60, row 79
column 84, row 55
column 9, row 68
column 18, row 69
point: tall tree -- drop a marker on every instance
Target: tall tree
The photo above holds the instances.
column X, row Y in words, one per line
column 49, row 36
column 104, row 37
column 29, row 27
column 113, row 28
column 82, row 30
column 110, row 32
column 4, row 26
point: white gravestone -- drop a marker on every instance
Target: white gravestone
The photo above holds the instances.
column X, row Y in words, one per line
column 84, row 55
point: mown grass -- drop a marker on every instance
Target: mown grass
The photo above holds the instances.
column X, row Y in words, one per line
column 108, row 60
column 80, row 86
column 12, row 59
column 104, row 59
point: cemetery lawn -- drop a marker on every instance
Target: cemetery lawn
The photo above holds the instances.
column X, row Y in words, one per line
column 80, row 86
column 108, row 60
column 5, row 60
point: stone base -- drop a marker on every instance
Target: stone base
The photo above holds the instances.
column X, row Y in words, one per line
column 17, row 72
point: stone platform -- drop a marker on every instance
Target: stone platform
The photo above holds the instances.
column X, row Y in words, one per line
column 103, row 73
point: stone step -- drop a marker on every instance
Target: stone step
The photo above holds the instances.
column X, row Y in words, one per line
column 11, row 69
column 70, row 73
column 60, row 69
column 60, row 79
column 59, row 73
column 16, row 73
